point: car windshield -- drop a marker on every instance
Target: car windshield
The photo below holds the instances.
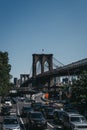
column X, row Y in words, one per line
column 50, row 110
column 10, row 121
column 60, row 114
column 37, row 104
column 27, row 108
column 36, row 115
column 77, row 119
column 7, row 100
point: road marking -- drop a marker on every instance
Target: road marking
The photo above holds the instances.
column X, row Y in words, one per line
column 20, row 118
column 50, row 125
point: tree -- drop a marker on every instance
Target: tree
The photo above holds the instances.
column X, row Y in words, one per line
column 5, row 68
column 79, row 88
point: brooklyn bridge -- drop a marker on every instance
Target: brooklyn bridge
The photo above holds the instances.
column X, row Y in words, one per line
column 46, row 73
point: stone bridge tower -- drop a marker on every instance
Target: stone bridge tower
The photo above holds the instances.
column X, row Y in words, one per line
column 42, row 58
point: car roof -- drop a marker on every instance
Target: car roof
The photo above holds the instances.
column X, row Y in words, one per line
column 11, row 117
column 73, row 114
column 36, row 112
column 26, row 106
column 58, row 110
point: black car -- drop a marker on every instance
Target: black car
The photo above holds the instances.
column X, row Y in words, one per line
column 48, row 112
column 58, row 118
column 36, row 106
column 36, row 120
column 26, row 110
column 5, row 110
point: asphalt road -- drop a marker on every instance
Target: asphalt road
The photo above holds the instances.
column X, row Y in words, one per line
column 22, row 121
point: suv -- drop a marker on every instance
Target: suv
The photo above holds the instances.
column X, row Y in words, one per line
column 26, row 110
column 36, row 119
column 10, row 123
column 73, row 121
column 5, row 110
column 58, row 116
column 36, row 106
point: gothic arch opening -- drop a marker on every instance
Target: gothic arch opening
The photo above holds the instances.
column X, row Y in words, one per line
column 38, row 67
column 46, row 66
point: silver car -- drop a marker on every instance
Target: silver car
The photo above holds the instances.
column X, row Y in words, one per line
column 73, row 121
column 10, row 123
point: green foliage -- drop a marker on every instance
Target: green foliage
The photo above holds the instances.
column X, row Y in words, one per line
column 79, row 88
column 5, row 68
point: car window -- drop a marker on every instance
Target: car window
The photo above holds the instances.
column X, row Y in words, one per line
column 27, row 108
column 66, row 118
column 36, row 115
column 10, row 121
column 50, row 110
column 75, row 119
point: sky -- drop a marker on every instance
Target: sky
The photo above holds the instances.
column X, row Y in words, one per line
column 58, row 27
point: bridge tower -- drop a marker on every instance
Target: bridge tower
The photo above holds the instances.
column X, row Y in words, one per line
column 23, row 78
column 42, row 58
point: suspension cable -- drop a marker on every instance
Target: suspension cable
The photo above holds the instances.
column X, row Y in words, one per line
column 58, row 61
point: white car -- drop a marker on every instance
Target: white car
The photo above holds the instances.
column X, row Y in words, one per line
column 8, row 102
column 73, row 121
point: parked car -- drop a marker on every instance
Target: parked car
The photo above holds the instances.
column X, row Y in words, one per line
column 36, row 119
column 10, row 123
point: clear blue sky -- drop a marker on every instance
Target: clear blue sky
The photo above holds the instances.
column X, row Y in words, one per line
column 28, row 26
